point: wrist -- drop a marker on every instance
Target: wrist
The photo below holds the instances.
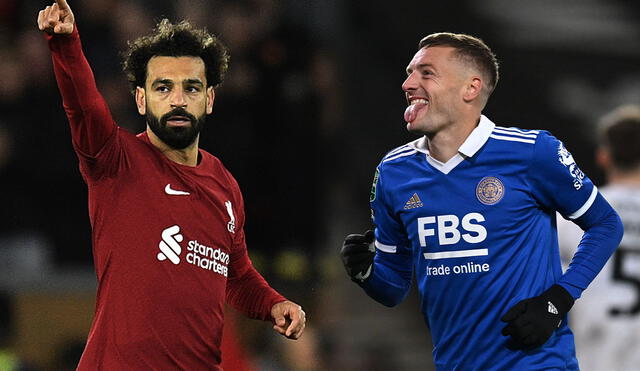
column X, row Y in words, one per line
column 361, row 277
column 560, row 297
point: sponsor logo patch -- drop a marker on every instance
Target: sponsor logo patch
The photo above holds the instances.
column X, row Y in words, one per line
column 202, row 256
column 566, row 159
column 372, row 197
column 231, row 225
column 414, row 202
column 490, row 190
column 551, row 308
column 170, row 191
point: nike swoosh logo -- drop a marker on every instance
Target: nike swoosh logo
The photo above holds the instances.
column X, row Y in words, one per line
column 168, row 190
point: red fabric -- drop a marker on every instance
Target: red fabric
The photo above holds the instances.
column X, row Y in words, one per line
column 235, row 356
column 153, row 313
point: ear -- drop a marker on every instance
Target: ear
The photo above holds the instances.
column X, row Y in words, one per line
column 603, row 158
column 211, row 95
column 472, row 89
column 141, row 102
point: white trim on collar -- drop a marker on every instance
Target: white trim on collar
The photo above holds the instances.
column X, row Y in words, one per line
column 420, row 145
column 471, row 145
column 478, row 137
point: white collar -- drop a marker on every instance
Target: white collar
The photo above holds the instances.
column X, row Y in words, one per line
column 470, row 147
column 478, row 137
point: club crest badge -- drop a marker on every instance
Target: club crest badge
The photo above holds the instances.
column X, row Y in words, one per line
column 490, row 190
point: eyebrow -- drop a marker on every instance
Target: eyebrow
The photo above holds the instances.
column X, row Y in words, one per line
column 422, row 65
column 170, row 82
column 193, row 81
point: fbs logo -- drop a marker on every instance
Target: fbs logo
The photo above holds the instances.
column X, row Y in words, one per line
column 169, row 246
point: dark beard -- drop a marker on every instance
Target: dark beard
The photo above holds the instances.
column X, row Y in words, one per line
column 175, row 137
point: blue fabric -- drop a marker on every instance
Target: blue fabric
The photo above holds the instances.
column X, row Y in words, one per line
column 603, row 232
column 481, row 236
column 390, row 280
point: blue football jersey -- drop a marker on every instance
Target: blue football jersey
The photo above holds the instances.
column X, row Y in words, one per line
column 479, row 234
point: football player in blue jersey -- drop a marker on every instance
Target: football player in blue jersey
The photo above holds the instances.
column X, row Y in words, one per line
column 469, row 209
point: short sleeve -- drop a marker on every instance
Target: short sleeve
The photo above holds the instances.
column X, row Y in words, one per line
column 557, row 181
column 389, row 231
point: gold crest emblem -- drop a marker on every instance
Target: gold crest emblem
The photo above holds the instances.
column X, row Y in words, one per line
column 490, row 190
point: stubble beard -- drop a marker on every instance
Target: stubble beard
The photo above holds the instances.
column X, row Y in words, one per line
column 433, row 122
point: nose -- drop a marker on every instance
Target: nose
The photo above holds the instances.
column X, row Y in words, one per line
column 178, row 99
column 410, row 83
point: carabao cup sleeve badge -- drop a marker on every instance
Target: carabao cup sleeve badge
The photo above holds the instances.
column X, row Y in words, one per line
column 490, row 190
column 374, row 186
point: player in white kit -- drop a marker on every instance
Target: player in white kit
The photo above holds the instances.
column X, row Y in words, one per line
column 606, row 320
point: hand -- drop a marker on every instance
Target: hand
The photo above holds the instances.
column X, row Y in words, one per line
column 357, row 255
column 56, row 19
column 531, row 322
column 289, row 319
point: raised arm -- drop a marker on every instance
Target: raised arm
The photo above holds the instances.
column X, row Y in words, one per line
column 89, row 117
column 56, row 19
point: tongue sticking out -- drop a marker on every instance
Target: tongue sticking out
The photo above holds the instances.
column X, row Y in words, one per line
column 411, row 112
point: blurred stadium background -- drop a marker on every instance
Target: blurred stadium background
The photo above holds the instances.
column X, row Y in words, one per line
column 311, row 103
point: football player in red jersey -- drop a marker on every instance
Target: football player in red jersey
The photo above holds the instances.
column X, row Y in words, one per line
column 167, row 217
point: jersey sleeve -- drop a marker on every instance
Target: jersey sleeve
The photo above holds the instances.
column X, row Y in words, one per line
column 247, row 291
column 390, row 234
column 93, row 130
column 392, row 271
column 560, row 185
column 557, row 181
column 603, row 231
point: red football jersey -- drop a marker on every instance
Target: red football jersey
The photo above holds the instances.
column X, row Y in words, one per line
column 168, row 240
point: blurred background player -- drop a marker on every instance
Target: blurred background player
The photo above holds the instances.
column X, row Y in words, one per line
column 606, row 320
column 167, row 217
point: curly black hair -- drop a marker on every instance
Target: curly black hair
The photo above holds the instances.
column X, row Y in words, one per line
column 175, row 40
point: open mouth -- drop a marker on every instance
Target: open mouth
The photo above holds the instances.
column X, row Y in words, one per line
column 415, row 106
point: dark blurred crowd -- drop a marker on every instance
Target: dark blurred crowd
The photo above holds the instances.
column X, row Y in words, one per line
column 273, row 109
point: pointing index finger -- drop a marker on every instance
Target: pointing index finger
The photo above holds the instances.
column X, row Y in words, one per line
column 62, row 4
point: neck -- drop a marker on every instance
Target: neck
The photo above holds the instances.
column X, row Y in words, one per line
column 631, row 178
column 187, row 156
column 444, row 143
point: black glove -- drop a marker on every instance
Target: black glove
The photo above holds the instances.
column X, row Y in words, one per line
column 357, row 255
column 532, row 321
